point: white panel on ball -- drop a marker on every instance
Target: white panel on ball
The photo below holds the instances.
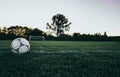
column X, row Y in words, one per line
column 24, row 41
column 23, row 49
column 15, row 44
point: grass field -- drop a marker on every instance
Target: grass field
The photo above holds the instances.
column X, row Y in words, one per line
column 62, row 59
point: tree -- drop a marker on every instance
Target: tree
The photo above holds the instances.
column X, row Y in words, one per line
column 76, row 35
column 0, row 29
column 36, row 32
column 18, row 30
column 5, row 30
column 105, row 34
column 59, row 24
column 97, row 34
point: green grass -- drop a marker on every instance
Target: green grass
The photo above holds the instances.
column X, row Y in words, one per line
column 62, row 59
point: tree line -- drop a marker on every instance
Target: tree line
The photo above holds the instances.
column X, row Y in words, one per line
column 13, row 32
column 59, row 26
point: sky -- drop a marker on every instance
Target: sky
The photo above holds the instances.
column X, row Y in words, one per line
column 87, row 16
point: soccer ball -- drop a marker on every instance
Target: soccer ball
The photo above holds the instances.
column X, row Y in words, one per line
column 20, row 45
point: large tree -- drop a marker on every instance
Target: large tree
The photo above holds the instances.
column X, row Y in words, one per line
column 59, row 24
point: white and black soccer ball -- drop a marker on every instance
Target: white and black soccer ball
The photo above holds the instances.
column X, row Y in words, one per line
column 20, row 45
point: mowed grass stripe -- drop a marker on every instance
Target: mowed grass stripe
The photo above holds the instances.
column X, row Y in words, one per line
column 67, row 46
column 74, row 46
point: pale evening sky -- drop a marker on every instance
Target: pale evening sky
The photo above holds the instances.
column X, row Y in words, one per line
column 87, row 16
